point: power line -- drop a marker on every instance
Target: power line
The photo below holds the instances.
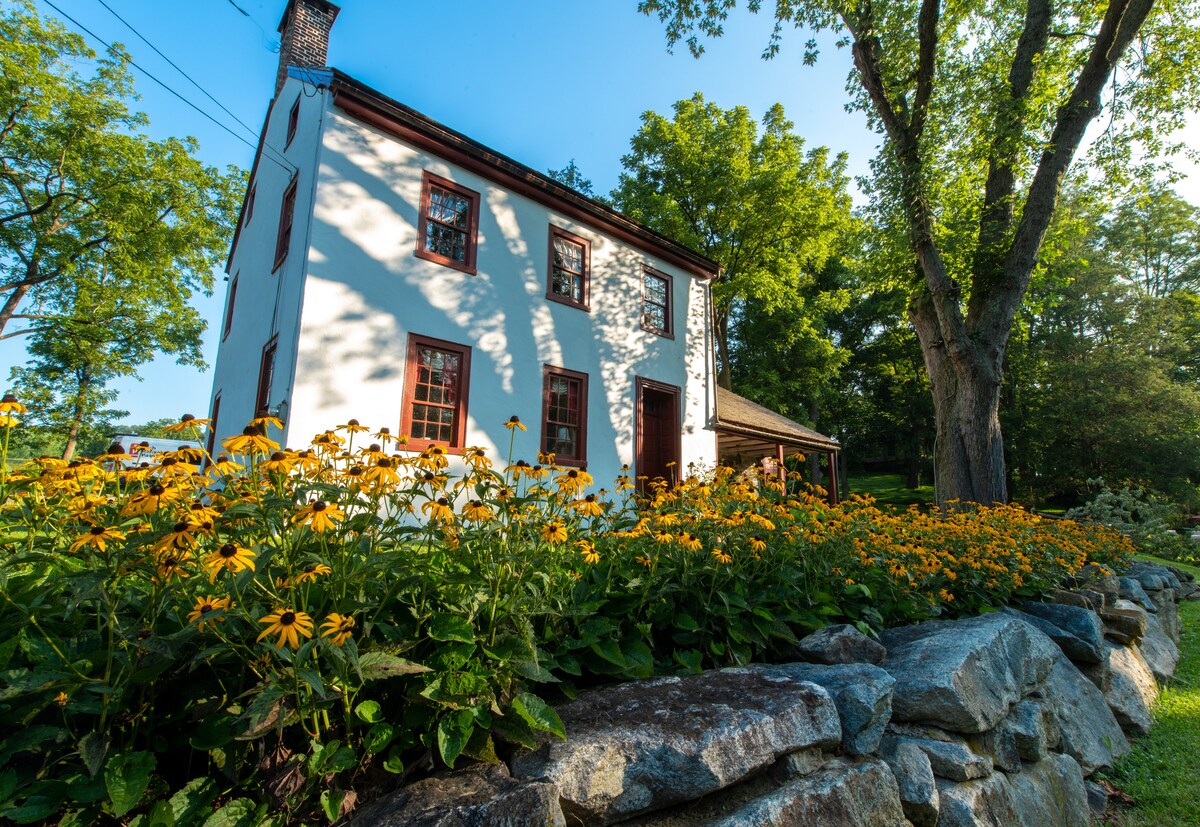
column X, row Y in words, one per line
column 284, row 164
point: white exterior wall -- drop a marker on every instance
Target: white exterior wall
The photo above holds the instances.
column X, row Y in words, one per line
column 344, row 336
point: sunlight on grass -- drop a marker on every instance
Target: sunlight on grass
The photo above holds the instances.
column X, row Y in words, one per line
column 889, row 489
column 1160, row 774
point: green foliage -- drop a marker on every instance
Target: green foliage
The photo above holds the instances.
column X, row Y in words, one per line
column 756, row 202
column 571, row 176
column 1147, row 519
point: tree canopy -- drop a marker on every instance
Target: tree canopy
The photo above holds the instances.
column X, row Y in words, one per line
column 984, row 106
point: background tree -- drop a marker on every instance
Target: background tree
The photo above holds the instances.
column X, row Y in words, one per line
column 1153, row 236
column 770, row 213
column 572, row 176
column 984, row 107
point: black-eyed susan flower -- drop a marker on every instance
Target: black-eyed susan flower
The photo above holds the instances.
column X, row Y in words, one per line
column 514, row 423
column 384, row 473
column 588, row 550
column 202, row 613
column 433, row 458
column 311, row 572
column 438, row 510
column 589, row 506
column 98, row 536
column 182, row 537
column 172, row 565
column 320, row 516
column 554, row 532
column 573, row 481
column 477, row 511
column 186, row 423
column 231, row 557
column 250, row 441
column 223, row 466
column 262, row 419
column 757, row 544
column 721, row 557
column 338, row 628
column 477, row 458
column 353, row 426
column 689, row 541
column 280, row 462
column 10, row 405
column 289, row 624
column 114, row 453
column 150, row 500
column 519, row 469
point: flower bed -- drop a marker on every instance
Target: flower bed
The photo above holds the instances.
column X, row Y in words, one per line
column 279, row 632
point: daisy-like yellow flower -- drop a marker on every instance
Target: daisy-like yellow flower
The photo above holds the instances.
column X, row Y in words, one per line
column 385, row 472
column 185, row 423
column 514, row 423
column 328, row 442
column 384, row 435
column 180, row 538
column 262, row 419
column 62, row 697
column 438, row 510
column 308, row 462
column 150, row 500
column 281, row 462
column 223, row 466
column 689, row 541
column 721, row 557
column 757, row 544
column 432, row 458
column 204, row 607
column 171, row 565
column 573, row 481
column 98, row 537
column 554, row 532
column 311, row 572
column 115, row 453
column 477, row 511
column 171, row 468
column 250, row 441
column 231, row 557
column 589, row 506
column 588, row 550
column 477, row 458
column 353, row 427
column 289, row 624
column 338, row 628
column 10, row 405
column 320, row 516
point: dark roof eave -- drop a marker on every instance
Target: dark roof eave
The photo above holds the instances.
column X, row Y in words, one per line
column 769, row 435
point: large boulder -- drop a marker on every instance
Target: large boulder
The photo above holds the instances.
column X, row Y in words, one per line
column 862, row 694
column 646, row 745
column 1078, row 632
column 1126, row 625
column 1168, row 613
column 964, row 675
column 951, row 759
column 1132, row 591
column 1033, row 728
column 479, row 796
column 842, row 643
column 914, row 777
column 1090, row 733
column 1050, row 792
column 1160, row 652
column 1153, row 577
column 1133, row 690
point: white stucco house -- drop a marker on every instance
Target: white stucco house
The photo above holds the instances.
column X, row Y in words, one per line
column 389, row 269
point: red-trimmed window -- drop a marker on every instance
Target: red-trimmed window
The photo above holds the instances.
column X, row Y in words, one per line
column 266, row 375
column 564, row 415
column 449, row 223
column 293, row 123
column 437, row 376
column 229, row 308
column 286, row 213
column 656, row 303
column 569, row 269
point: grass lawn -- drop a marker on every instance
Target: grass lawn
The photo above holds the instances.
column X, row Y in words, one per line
column 889, row 489
column 1162, row 774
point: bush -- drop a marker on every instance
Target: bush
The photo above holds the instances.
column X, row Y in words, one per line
column 289, row 630
column 1148, row 519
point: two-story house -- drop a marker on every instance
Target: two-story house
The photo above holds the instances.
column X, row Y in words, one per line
column 389, row 269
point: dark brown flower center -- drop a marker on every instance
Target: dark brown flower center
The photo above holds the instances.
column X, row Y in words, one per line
column 319, row 505
column 228, row 550
column 572, row 473
column 288, row 618
column 355, row 471
column 384, row 463
column 275, row 457
column 187, row 418
column 180, row 528
column 157, row 490
column 97, row 530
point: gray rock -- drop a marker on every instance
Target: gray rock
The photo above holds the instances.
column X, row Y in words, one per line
column 1132, row 591
column 862, row 794
column 949, row 759
column 1090, row 732
column 841, row 644
column 998, row 744
column 1097, row 798
column 1033, row 728
column 645, row 745
column 1068, row 598
column 964, row 675
column 1096, row 600
column 1078, row 632
column 1168, row 613
column 1182, row 576
column 1153, row 577
column 1126, row 626
column 800, row 763
column 1160, row 652
column 1099, row 579
column 862, row 693
column 1050, row 792
column 914, row 777
column 1133, row 689
column 1187, row 591
column 479, row 796
column 1098, row 673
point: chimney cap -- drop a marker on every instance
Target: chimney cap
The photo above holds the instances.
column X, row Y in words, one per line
column 319, row 5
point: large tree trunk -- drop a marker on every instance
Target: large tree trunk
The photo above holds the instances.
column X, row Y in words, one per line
column 968, row 452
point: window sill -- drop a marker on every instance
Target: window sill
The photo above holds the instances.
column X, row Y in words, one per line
column 463, row 267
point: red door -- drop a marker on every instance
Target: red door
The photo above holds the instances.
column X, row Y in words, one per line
column 658, row 430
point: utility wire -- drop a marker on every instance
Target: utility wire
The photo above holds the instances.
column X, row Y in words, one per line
column 278, row 155
column 248, row 16
column 284, row 164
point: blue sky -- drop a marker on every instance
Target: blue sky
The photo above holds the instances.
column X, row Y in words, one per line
column 540, row 81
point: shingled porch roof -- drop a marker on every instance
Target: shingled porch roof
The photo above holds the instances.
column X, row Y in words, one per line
column 738, row 417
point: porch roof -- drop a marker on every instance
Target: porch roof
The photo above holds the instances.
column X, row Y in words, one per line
column 740, row 419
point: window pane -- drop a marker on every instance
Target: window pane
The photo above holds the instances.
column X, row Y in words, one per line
column 654, row 317
column 656, row 289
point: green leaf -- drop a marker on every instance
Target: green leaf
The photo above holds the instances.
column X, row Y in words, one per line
column 237, row 813
column 375, row 666
column 639, row 660
column 92, row 748
column 392, row 763
column 8, row 785
column 453, row 732
column 610, row 650
column 161, row 815
column 30, row 738
column 126, row 777
column 6, row 651
column 685, row 622
column 448, row 627
column 331, row 804
column 378, row 737
column 341, row 761
column 193, row 801
column 313, row 679
column 538, row 714
column 515, row 730
column 369, row 712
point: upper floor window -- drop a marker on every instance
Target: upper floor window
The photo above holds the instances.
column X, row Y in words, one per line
column 229, row 308
column 656, row 303
column 449, row 223
column 250, row 203
column 266, row 375
column 293, row 123
column 570, row 264
column 286, row 213
column 564, row 415
column 437, row 375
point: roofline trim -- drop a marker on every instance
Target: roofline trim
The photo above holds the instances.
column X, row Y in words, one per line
column 776, row 436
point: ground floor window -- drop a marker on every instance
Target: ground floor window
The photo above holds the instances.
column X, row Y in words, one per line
column 564, row 415
column 437, row 375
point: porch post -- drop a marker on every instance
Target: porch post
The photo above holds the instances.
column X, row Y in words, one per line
column 779, row 462
column 833, row 478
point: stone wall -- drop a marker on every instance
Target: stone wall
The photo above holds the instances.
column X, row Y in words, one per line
column 996, row 720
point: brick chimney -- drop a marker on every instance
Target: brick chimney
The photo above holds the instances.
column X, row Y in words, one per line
column 304, row 32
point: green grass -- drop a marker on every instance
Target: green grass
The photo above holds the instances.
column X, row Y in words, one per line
column 1161, row 774
column 889, row 489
